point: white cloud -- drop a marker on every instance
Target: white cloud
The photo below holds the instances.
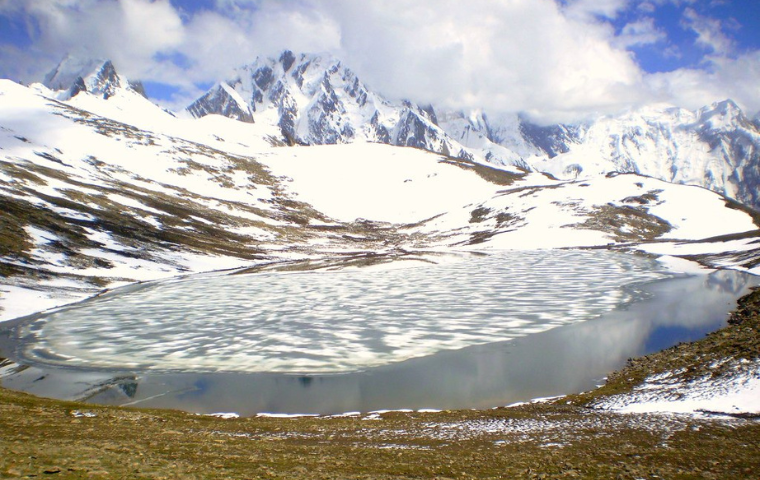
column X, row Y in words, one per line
column 585, row 9
column 557, row 63
column 734, row 78
column 722, row 74
column 149, row 26
column 709, row 32
column 217, row 43
column 129, row 32
column 640, row 32
column 518, row 55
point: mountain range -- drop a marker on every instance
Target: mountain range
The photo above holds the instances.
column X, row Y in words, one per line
column 295, row 159
column 316, row 100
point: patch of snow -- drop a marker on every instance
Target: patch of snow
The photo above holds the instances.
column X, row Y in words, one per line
column 80, row 414
column 734, row 394
column 376, row 182
column 19, row 301
column 132, row 203
column 680, row 265
column 39, row 236
column 286, row 415
column 697, row 213
column 535, row 400
column 225, row 416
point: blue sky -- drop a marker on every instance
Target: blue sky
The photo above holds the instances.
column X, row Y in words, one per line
column 554, row 59
column 738, row 22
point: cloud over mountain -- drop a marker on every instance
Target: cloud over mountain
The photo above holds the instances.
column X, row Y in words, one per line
column 556, row 60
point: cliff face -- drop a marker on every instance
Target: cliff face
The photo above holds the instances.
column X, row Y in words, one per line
column 316, row 100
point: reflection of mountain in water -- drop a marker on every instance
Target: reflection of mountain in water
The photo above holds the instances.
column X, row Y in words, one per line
column 727, row 281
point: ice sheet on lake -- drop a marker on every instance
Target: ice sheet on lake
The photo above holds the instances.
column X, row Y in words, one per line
column 319, row 322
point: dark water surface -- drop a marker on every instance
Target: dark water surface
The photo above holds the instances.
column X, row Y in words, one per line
column 474, row 334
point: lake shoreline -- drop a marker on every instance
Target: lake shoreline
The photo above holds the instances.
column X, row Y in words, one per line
column 557, row 359
column 563, row 438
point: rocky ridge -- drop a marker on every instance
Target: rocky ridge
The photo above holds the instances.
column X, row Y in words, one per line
column 96, row 76
column 318, row 100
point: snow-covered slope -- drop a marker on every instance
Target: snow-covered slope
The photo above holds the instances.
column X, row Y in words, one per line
column 716, row 147
column 316, row 100
column 99, row 190
column 733, row 393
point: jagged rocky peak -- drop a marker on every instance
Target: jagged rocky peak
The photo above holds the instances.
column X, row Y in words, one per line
column 316, row 99
column 74, row 75
column 553, row 140
column 496, row 137
column 70, row 71
column 222, row 100
column 715, row 147
column 287, row 59
column 313, row 98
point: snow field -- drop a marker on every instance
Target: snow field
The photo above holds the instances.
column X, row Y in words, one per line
column 738, row 393
column 376, row 182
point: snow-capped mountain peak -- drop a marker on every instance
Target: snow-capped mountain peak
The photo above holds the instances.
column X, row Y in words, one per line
column 74, row 75
column 315, row 99
column 716, row 147
column 307, row 96
column 69, row 70
column 723, row 116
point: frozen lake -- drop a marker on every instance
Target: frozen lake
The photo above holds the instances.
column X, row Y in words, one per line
column 477, row 333
column 342, row 321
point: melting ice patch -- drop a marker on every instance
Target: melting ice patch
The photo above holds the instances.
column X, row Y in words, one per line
column 330, row 322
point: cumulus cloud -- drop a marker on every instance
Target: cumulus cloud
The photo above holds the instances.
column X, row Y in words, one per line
column 709, row 32
column 585, row 9
column 557, row 61
column 520, row 55
column 721, row 74
column 129, row 32
column 640, row 32
column 734, row 78
column 217, row 42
